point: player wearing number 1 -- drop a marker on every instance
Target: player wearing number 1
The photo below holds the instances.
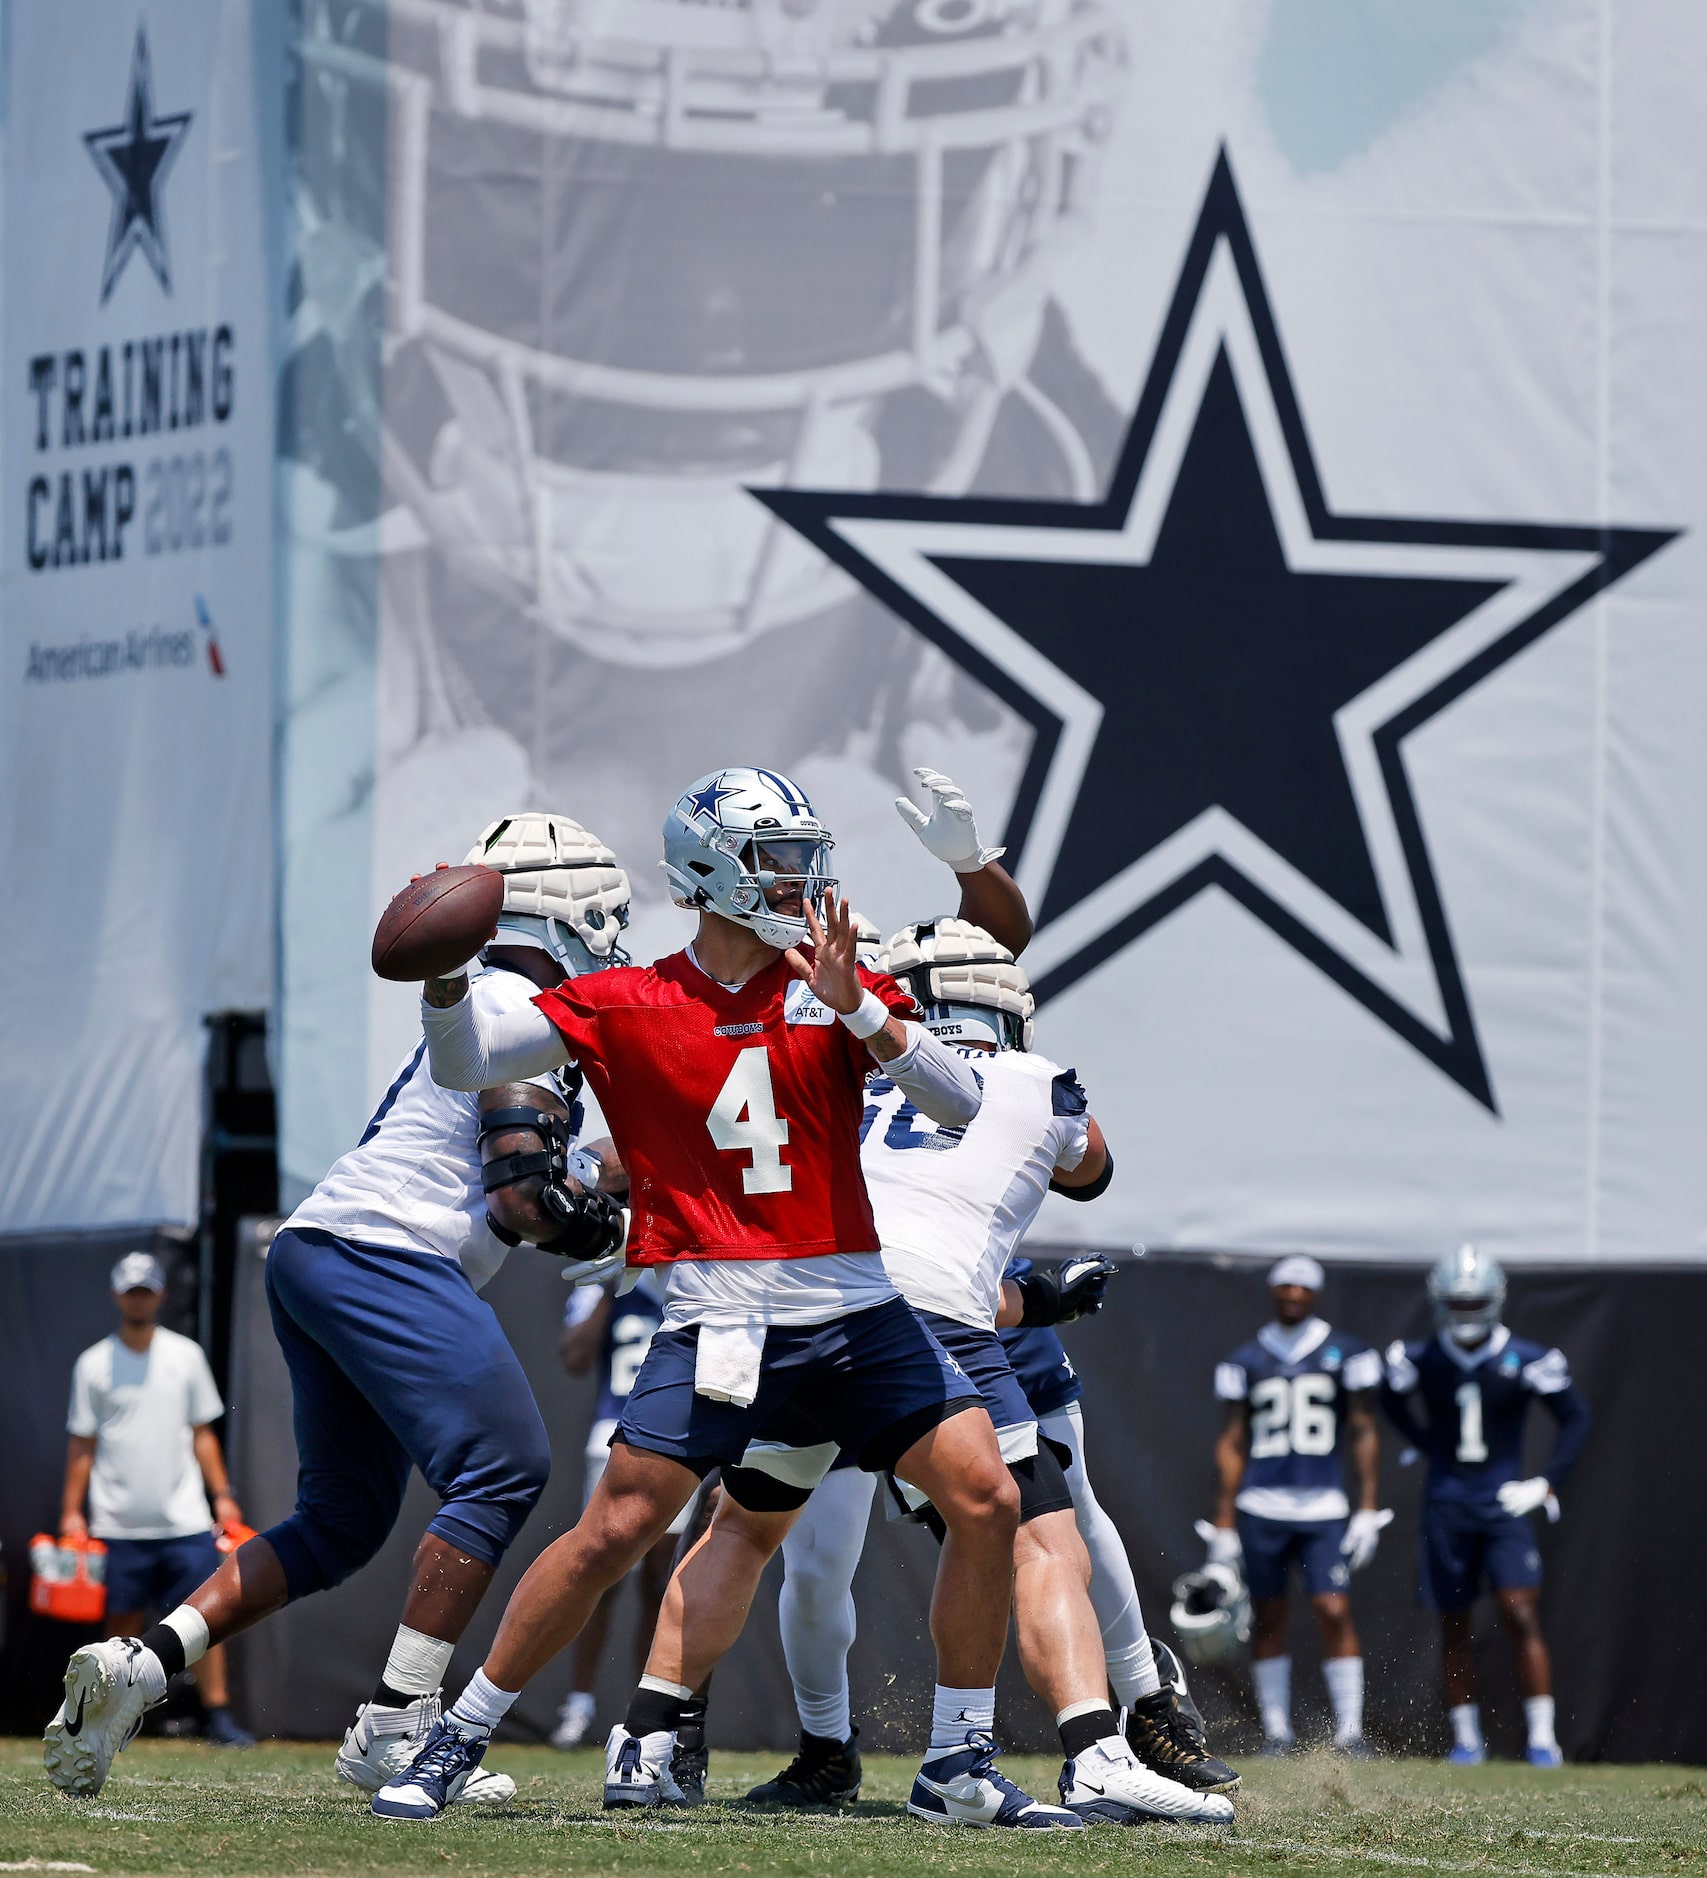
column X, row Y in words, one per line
column 1297, row 1397
column 1463, row 1396
column 732, row 1076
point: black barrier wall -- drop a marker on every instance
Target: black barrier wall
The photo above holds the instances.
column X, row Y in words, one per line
column 1627, row 1631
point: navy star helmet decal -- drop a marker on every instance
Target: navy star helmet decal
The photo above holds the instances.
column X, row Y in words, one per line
column 1220, row 671
column 134, row 158
column 705, row 801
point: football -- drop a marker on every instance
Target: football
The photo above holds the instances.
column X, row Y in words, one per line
column 437, row 923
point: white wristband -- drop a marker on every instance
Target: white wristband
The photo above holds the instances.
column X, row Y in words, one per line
column 867, row 1017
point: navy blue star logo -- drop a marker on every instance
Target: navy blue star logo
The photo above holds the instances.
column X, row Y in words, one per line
column 705, row 800
column 134, row 159
column 1220, row 671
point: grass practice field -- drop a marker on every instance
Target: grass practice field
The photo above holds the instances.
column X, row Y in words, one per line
column 179, row 1807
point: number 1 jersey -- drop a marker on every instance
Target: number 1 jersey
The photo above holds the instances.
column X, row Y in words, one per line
column 736, row 1112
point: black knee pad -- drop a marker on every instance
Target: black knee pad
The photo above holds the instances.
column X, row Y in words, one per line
column 759, row 1492
column 1042, row 1482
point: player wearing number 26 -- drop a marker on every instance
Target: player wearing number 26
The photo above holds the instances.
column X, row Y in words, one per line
column 1462, row 1397
column 1297, row 1396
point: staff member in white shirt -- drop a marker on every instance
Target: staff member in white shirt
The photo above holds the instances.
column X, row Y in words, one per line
column 142, row 1447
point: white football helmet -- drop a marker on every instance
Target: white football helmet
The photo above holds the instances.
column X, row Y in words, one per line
column 563, row 890
column 969, row 986
column 1211, row 1613
column 736, row 836
column 1467, row 1290
column 756, row 243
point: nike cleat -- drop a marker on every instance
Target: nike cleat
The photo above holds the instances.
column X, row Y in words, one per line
column 960, row 1787
column 1549, row 1756
column 1160, row 1733
column 1458, row 1755
column 823, row 1773
column 383, row 1741
column 1109, row 1782
column 434, row 1780
column 637, row 1770
column 105, row 1701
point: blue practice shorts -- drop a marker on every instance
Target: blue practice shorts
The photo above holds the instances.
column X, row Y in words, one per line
column 1273, row 1546
column 157, row 1574
column 394, row 1358
column 1459, row 1545
column 1050, row 1382
column 872, row 1383
column 980, row 1354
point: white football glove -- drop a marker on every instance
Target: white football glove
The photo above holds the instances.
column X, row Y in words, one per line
column 1362, row 1535
column 1518, row 1497
column 949, row 830
column 1224, row 1544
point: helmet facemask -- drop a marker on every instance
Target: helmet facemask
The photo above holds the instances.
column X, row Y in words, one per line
column 1467, row 1291
column 745, row 844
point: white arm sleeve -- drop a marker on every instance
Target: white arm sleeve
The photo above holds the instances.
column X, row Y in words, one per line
column 938, row 1081
column 474, row 1049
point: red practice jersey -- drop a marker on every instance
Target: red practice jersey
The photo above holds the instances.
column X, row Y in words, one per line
column 736, row 1113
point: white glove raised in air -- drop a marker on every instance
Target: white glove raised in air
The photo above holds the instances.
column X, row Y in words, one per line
column 1224, row 1543
column 949, row 830
column 1363, row 1535
column 1518, row 1497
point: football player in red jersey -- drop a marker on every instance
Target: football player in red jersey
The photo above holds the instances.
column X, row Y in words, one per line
column 731, row 1075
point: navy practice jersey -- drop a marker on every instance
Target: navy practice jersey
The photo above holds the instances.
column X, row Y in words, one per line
column 629, row 1329
column 1294, row 1385
column 1040, row 1362
column 1465, row 1410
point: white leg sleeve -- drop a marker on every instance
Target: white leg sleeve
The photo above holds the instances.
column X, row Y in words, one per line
column 820, row 1556
column 1114, row 1591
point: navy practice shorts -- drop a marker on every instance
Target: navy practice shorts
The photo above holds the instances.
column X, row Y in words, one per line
column 980, row 1354
column 395, row 1358
column 1459, row 1545
column 1050, row 1382
column 1273, row 1546
column 872, row 1383
column 157, row 1574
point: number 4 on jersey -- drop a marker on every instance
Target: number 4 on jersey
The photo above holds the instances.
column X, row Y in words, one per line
column 743, row 1119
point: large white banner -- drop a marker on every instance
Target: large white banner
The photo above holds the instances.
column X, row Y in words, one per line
column 136, row 586
column 1255, row 448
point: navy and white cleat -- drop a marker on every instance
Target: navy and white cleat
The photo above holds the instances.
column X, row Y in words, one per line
column 105, row 1701
column 1548, row 1755
column 433, row 1781
column 382, row 1742
column 1109, row 1782
column 962, row 1788
column 637, row 1770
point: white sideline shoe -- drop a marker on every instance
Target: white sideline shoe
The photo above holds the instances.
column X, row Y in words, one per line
column 383, row 1741
column 1109, row 1782
column 104, row 1704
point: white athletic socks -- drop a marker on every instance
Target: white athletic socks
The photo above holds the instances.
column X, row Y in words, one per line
column 482, row 1705
column 956, row 1712
column 1466, row 1721
column 1538, row 1712
column 1273, row 1676
column 1132, row 1671
column 417, row 1663
column 1344, row 1677
column 828, row 1716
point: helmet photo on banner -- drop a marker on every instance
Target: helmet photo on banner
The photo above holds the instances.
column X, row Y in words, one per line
column 969, row 986
column 744, row 843
column 563, row 890
column 1467, row 1290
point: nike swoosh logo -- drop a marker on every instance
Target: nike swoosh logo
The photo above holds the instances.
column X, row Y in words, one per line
column 73, row 1723
column 1091, row 1787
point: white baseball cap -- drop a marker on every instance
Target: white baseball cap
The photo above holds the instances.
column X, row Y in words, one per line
column 139, row 1271
column 1297, row 1270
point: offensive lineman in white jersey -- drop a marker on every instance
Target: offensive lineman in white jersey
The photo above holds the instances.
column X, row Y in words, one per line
column 394, row 1359
column 951, row 1205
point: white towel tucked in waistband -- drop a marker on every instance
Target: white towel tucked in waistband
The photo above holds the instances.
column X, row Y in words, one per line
column 727, row 1369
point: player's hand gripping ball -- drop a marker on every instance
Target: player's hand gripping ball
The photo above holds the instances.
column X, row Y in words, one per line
column 437, row 923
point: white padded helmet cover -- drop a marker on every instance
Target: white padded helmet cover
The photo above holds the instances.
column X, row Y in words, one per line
column 555, row 869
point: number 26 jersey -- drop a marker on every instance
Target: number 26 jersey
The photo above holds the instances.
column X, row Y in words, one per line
column 1294, row 1386
column 736, row 1112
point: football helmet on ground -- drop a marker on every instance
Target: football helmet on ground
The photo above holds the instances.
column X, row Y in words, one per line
column 969, row 985
column 1211, row 1613
column 738, row 837
column 563, row 890
column 1467, row 1290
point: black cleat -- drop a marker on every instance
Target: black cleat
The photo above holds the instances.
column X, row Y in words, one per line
column 823, row 1773
column 690, row 1758
column 1162, row 1737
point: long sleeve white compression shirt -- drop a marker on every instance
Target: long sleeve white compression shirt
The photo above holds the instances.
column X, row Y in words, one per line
column 468, row 1048
column 938, row 1081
